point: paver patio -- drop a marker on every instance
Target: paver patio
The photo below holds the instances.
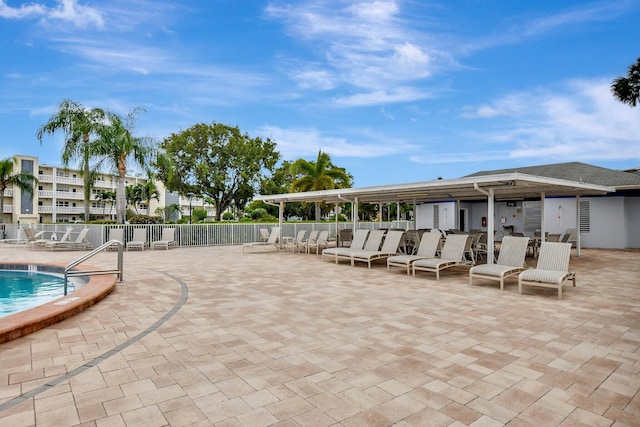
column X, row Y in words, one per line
column 286, row 339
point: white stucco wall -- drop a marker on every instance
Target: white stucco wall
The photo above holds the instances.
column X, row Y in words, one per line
column 608, row 223
column 632, row 212
column 615, row 221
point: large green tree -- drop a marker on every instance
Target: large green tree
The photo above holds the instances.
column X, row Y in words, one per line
column 23, row 180
column 279, row 182
column 627, row 89
column 318, row 175
column 81, row 126
column 121, row 149
column 215, row 161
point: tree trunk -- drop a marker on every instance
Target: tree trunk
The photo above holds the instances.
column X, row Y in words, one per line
column 121, row 201
column 317, row 213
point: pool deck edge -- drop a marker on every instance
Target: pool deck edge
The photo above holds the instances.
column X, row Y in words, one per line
column 26, row 322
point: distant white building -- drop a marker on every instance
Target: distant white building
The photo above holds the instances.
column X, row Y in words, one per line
column 59, row 196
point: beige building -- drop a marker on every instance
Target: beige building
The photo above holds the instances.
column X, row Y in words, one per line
column 59, row 196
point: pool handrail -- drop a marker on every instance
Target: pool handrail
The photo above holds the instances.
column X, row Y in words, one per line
column 119, row 271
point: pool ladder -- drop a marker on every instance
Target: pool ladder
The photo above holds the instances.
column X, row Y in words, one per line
column 68, row 272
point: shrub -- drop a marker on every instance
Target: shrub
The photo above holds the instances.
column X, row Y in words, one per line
column 199, row 215
column 145, row 219
column 227, row 216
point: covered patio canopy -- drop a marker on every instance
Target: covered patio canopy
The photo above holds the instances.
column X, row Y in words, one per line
column 508, row 186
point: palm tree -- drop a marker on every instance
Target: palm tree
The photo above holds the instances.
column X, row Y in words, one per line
column 119, row 148
column 23, row 180
column 627, row 89
column 149, row 190
column 318, row 175
column 107, row 197
column 132, row 197
column 79, row 124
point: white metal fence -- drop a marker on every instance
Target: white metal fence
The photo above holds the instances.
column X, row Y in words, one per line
column 193, row 234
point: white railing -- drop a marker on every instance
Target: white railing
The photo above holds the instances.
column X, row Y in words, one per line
column 8, row 208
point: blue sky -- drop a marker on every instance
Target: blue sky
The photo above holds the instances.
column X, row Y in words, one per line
column 395, row 91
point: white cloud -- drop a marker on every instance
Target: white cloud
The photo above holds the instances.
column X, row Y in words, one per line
column 304, row 142
column 66, row 10
column 580, row 121
column 401, row 94
column 367, row 45
column 24, row 11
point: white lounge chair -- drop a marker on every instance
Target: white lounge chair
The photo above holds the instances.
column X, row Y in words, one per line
column 43, row 243
column 29, row 236
column 552, row 270
column 311, row 239
column 139, row 239
column 372, row 242
column 452, row 255
column 358, row 242
column 115, row 234
column 273, row 240
column 320, row 242
column 389, row 248
column 510, row 261
column 299, row 241
column 426, row 249
column 79, row 243
column 167, row 240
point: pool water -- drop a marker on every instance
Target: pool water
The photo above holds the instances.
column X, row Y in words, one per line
column 22, row 290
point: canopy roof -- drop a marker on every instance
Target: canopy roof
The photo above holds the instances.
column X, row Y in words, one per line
column 506, row 186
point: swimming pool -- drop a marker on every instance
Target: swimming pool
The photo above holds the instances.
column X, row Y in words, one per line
column 22, row 289
column 88, row 290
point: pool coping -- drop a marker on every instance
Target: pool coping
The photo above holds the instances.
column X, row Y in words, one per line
column 26, row 322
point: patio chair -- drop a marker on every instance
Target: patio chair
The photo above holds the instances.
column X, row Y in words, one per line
column 321, row 242
column 552, row 270
column 79, row 243
column 452, row 255
column 426, row 249
column 298, row 241
column 510, row 261
column 345, row 235
column 372, row 243
column 167, row 240
column 553, row 237
column 273, row 240
column 311, row 238
column 358, row 242
column 264, row 234
column 44, row 243
column 116, row 234
column 29, row 237
column 389, row 247
column 139, row 239
column 469, row 249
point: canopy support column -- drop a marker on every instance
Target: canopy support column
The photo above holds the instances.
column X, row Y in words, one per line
column 280, row 220
column 354, row 214
column 578, row 233
column 490, row 221
column 543, row 233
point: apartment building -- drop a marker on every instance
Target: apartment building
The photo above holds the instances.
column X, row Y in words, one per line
column 59, row 196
